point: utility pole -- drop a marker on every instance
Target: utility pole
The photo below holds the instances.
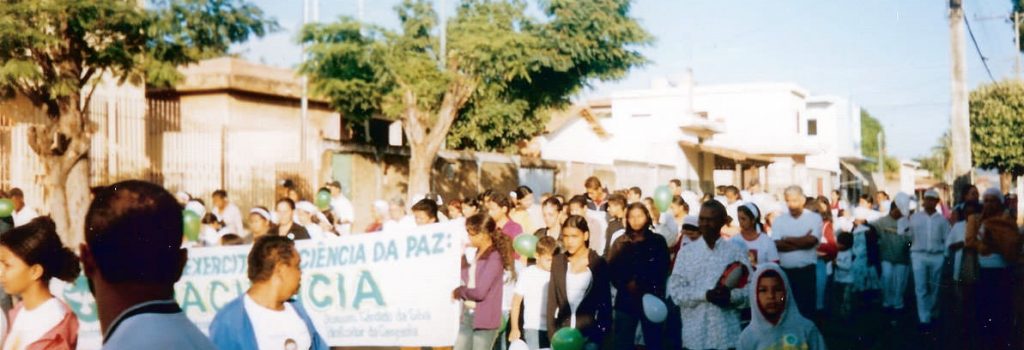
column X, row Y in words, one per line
column 304, row 108
column 881, row 161
column 310, row 12
column 960, row 127
column 1016, row 41
column 444, row 35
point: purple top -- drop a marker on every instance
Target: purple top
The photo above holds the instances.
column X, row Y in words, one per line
column 487, row 294
column 512, row 229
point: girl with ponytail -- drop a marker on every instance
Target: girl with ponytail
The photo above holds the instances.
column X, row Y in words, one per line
column 482, row 279
column 30, row 255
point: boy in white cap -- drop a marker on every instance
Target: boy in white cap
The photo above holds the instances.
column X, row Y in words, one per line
column 928, row 229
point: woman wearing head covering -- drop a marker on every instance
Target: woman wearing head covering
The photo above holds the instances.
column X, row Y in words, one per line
column 776, row 323
column 760, row 248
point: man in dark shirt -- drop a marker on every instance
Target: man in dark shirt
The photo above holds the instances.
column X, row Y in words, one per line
column 616, row 218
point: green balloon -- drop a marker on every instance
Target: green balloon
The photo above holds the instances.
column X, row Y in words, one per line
column 662, row 198
column 6, row 208
column 193, row 224
column 567, row 338
column 525, row 245
column 323, row 200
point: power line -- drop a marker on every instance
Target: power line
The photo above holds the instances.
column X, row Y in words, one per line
column 977, row 48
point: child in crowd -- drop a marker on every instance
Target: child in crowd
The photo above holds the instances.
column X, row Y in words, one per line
column 777, row 323
column 30, row 255
column 531, row 293
column 843, row 276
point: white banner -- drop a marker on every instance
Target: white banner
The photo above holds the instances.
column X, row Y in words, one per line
column 380, row 289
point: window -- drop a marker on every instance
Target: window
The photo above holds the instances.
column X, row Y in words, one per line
column 812, row 127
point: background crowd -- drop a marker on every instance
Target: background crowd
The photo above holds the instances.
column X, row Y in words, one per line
column 601, row 269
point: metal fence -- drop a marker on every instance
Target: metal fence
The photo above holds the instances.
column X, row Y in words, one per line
column 148, row 139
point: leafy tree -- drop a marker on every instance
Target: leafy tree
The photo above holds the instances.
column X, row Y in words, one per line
column 501, row 70
column 997, row 119
column 940, row 162
column 869, row 147
column 56, row 52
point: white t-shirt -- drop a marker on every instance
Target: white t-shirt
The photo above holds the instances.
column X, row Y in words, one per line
column 788, row 226
column 33, row 324
column 761, row 250
column 407, row 222
column 956, row 235
column 23, row 216
column 274, row 329
column 576, row 285
column 232, row 218
column 732, row 210
column 533, row 287
column 343, row 211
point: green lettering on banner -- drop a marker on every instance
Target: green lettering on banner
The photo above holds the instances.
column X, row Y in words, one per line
column 417, row 246
column 341, row 290
column 192, row 298
column 385, row 252
column 366, row 281
column 319, row 303
column 213, row 292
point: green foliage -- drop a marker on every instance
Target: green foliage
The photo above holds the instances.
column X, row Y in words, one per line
column 518, row 66
column 869, row 130
column 997, row 121
column 940, row 161
column 185, row 31
column 51, row 50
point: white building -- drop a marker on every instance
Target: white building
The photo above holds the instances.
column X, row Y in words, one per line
column 767, row 119
column 837, row 121
column 646, row 137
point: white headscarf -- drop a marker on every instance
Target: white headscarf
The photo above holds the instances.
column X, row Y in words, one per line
column 793, row 331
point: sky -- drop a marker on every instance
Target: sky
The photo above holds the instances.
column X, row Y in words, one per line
column 890, row 57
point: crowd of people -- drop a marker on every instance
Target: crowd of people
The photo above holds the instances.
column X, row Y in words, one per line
column 730, row 269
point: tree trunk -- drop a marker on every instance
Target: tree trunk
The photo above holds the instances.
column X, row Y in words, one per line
column 419, row 169
column 426, row 141
column 1005, row 182
column 63, row 147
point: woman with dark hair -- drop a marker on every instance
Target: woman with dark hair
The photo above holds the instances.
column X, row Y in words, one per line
column 527, row 213
column 30, row 255
column 481, row 291
column 579, row 294
column 827, row 250
column 470, row 207
column 286, row 225
column 639, row 265
column 499, row 208
column 260, row 223
column 760, row 248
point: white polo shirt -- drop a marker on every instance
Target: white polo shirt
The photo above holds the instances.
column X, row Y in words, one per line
column 929, row 232
column 788, row 226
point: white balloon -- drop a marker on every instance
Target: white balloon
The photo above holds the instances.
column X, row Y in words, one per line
column 519, row 344
column 655, row 309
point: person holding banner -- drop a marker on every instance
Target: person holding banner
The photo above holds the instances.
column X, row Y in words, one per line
column 286, row 225
column 481, row 291
column 30, row 255
column 260, row 223
column 579, row 294
column 266, row 317
column 132, row 257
